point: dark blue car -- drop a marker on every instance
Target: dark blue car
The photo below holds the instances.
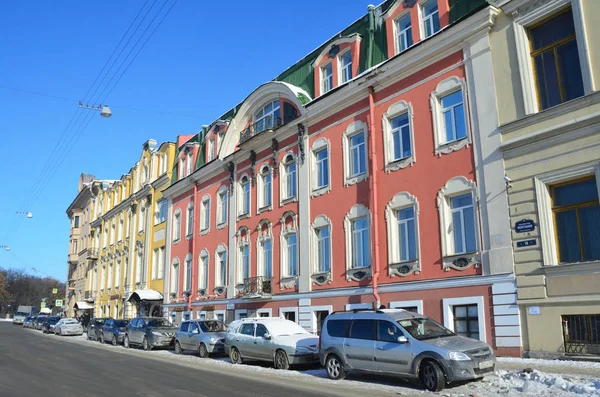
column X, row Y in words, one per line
column 113, row 331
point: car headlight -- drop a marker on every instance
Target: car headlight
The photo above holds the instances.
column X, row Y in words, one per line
column 458, row 356
column 212, row 340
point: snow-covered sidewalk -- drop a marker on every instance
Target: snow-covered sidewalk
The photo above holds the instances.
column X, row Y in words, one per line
column 566, row 367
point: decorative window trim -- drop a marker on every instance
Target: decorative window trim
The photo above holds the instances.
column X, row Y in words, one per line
column 175, row 263
column 267, row 310
column 176, row 214
column 396, row 267
column 220, row 249
column 422, row 34
column 202, row 289
column 444, row 88
column 353, row 129
column 395, row 30
column 530, row 13
column 318, row 277
column 340, row 66
column 239, row 312
column 240, row 243
column 260, row 239
column 401, row 304
column 317, row 146
column 189, row 229
column 205, row 223
column 357, row 211
column 222, row 223
column 259, row 189
column 283, row 310
column 397, row 109
column 283, row 179
column 189, row 258
column 240, row 198
column 454, row 187
column 288, row 281
column 449, row 303
column 321, row 77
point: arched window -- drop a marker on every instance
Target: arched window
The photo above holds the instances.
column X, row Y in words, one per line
column 264, row 244
column 175, row 276
column 243, row 243
column 244, row 208
column 267, row 117
column 221, row 266
column 187, row 281
column 289, row 182
column 203, row 261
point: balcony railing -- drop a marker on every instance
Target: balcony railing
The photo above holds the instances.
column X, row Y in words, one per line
column 257, row 287
column 92, row 253
column 270, row 122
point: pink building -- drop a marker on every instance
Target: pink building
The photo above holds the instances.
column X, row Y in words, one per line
column 365, row 175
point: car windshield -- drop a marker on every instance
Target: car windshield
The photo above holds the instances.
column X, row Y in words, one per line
column 285, row 328
column 121, row 323
column 159, row 322
column 20, row 314
column 422, row 328
column 70, row 321
column 53, row 320
column 212, row 326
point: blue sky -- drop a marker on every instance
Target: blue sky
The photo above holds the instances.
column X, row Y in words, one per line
column 204, row 58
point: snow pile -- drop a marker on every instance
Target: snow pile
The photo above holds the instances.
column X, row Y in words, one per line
column 536, row 382
column 537, row 362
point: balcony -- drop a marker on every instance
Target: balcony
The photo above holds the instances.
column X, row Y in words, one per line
column 71, row 284
column 73, row 257
column 257, row 287
column 89, row 296
column 92, row 253
column 267, row 123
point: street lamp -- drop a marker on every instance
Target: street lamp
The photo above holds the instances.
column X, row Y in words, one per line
column 103, row 109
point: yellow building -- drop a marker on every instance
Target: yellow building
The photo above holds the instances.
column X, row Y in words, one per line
column 130, row 236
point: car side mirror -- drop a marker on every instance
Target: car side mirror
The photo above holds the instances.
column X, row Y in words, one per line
column 267, row 336
column 402, row 339
column 196, row 331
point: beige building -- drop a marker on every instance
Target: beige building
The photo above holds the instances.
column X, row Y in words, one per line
column 546, row 65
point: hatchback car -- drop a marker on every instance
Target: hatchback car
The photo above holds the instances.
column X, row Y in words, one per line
column 95, row 327
column 399, row 342
column 280, row 341
column 27, row 322
column 39, row 322
column 149, row 332
column 113, row 331
column 68, row 326
column 49, row 324
column 203, row 336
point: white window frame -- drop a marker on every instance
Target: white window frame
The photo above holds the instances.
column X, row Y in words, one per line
column 455, row 187
column 110, row 275
column 189, row 221
column 263, row 237
column 288, row 159
column 449, row 303
column 113, row 232
column 343, row 68
column 174, row 287
column 203, row 269
column 155, row 259
column 356, row 212
column 395, row 110
column 238, row 312
column 211, row 149
column 142, row 218
column 400, row 201
column 222, row 248
column 223, row 312
column 313, row 310
column 182, row 167
column 188, row 263
column 118, row 273
column 398, row 34
column 262, row 190
column 241, row 184
column 526, row 17
column 412, row 303
column 120, row 231
column 443, row 89
column 320, row 222
column 139, row 263
column 205, row 214
column 161, row 211
column 318, row 145
column 355, row 128
column 190, row 163
column 423, row 18
column 177, row 226
column 326, row 81
column 243, row 243
column 267, row 310
column 222, row 213
column 276, row 105
column 291, row 309
column 286, row 231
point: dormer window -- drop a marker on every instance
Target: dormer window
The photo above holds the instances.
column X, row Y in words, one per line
column 326, row 78
column 267, row 117
column 346, row 66
column 190, row 163
column 211, row 149
column 403, row 33
column 182, row 168
column 430, row 18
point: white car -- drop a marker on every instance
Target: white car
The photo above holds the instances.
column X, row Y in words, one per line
column 68, row 326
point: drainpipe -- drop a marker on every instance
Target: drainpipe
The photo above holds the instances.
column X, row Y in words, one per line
column 193, row 282
column 374, row 195
column 371, row 41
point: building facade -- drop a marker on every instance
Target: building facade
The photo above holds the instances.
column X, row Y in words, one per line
column 547, row 72
column 370, row 173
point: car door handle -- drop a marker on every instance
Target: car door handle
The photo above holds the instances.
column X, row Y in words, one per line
column 380, row 348
column 346, row 344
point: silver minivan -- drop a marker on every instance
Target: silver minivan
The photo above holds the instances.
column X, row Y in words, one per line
column 399, row 342
column 203, row 336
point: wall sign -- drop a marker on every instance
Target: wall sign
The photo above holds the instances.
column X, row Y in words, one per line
column 524, row 226
column 534, row 310
column 526, row 243
column 58, row 303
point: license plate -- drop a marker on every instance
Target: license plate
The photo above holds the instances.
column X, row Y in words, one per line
column 486, row 364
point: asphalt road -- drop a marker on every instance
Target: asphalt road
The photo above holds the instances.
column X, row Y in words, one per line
column 34, row 364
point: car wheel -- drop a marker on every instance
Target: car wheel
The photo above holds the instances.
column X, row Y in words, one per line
column 235, row 356
column 102, row 338
column 281, row 360
column 202, row 352
column 114, row 340
column 145, row 345
column 432, row 376
column 334, row 367
column 178, row 349
column 87, row 336
column 126, row 342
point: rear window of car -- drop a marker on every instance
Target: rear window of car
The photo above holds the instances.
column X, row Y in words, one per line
column 338, row 328
column 120, row 323
column 363, row 329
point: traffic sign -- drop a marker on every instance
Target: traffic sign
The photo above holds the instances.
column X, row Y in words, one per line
column 55, row 290
column 58, row 303
column 43, row 305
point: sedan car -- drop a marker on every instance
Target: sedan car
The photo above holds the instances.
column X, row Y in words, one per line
column 149, row 332
column 203, row 336
column 39, row 322
column 95, row 327
column 280, row 341
column 113, row 331
column 68, row 326
column 49, row 324
column 27, row 321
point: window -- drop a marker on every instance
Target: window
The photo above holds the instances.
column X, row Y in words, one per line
column 398, row 136
column 264, row 189
column 403, row 236
column 175, row 276
column 105, row 235
column 463, row 223
column 289, row 181
column 76, row 221
column 161, row 263
column 188, row 273
column 261, row 330
column 363, row 329
column 403, row 33
column 190, row 163
column 128, row 224
column 112, row 232
column 321, row 246
column 320, row 167
column 118, row 273
column 268, row 117
column 110, row 276
column 320, row 316
column 177, row 226
column 245, row 261
column 139, row 266
column 222, row 205
column 142, row 218
column 346, row 66
column 221, row 264
column 338, row 328
column 326, row 78
column 361, row 252
column 266, row 256
column 182, row 168
column 245, row 195
column 290, row 316
column 120, row 235
column 155, row 259
column 450, row 125
column 189, row 226
column 355, row 153
column 430, row 18
column 466, row 321
column 203, row 270
column 576, row 211
column 290, row 255
column 247, row 329
column 415, row 306
column 465, row 316
column 453, row 114
column 211, row 149
column 161, row 212
column 388, row 331
column 555, row 60
column 74, row 246
column 184, row 327
column 205, row 214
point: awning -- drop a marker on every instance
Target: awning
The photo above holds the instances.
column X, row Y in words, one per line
column 83, row 306
column 145, row 295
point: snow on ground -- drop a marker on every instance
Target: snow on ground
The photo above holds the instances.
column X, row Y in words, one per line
column 6, row 319
column 533, row 362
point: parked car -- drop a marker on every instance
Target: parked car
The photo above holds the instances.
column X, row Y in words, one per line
column 39, row 322
column 49, row 324
column 68, row 326
column 203, row 336
column 399, row 342
column 277, row 340
column 27, row 321
column 149, row 332
column 95, row 327
column 31, row 323
column 22, row 313
column 113, row 331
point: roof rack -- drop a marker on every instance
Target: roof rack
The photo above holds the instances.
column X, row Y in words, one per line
column 358, row 311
